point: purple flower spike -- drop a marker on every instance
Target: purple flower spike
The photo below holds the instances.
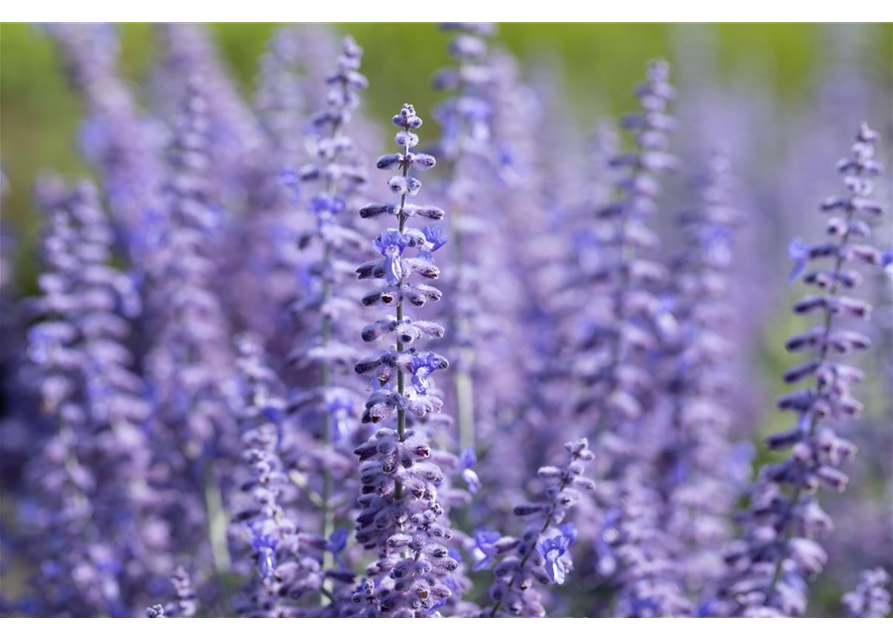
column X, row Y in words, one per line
column 871, row 597
column 769, row 569
column 401, row 513
column 548, row 536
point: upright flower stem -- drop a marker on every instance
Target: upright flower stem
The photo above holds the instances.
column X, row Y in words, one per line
column 401, row 382
column 625, row 254
column 327, row 519
column 465, row 82
column 779, row 550
column 463, row 381
column 217, row 520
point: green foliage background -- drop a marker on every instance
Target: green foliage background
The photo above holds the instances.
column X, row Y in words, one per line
column 39, row 114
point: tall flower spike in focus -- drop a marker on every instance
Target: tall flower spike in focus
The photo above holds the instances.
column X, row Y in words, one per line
column 400, row 515
column 768, row 569
column 543, row 553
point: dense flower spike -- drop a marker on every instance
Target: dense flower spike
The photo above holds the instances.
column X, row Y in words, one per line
column 271, row 535
column 636, row 319
column 190, row 364
column 124, row 147
column 700, row 473
column 87, row 384
column 280, row 97
column 543, row 552
column 184, row 605
column 400, row 512
column 615, row 360
column 235, row 141
column 768, row 569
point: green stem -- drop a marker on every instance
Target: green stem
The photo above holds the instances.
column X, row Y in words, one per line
column 327, row 515
column 401, row 382
column 463, row 379
column 465, row 404
column 217, row 521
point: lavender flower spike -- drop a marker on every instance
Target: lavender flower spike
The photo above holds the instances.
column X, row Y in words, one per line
column 272, row 535
column 871, row 598
column 96, row 510
column 541, row 555
column 400, row 514
column 334, row 179
column 468, row 153
column 617, row 358
column 769, row 567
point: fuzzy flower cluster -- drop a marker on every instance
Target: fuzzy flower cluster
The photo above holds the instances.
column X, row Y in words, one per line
column 401, row 515
column 780, row 552
column 330, row 183
column 190, row 363
column 542, row 554
column 616, row 358
column 185, row 603
column 335, row 177
column 272, row 536
column 191, row 355
column 125, row 152
column 700, row 469
column 871, row 597
column 469, row 180
column 637, row 320
column 465, row 116
column 89, row 472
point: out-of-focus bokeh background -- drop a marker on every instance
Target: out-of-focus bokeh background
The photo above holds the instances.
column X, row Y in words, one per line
column 796, row 94
column 599, row 64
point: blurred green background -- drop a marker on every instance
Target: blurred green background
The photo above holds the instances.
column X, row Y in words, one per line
column 39, row 114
